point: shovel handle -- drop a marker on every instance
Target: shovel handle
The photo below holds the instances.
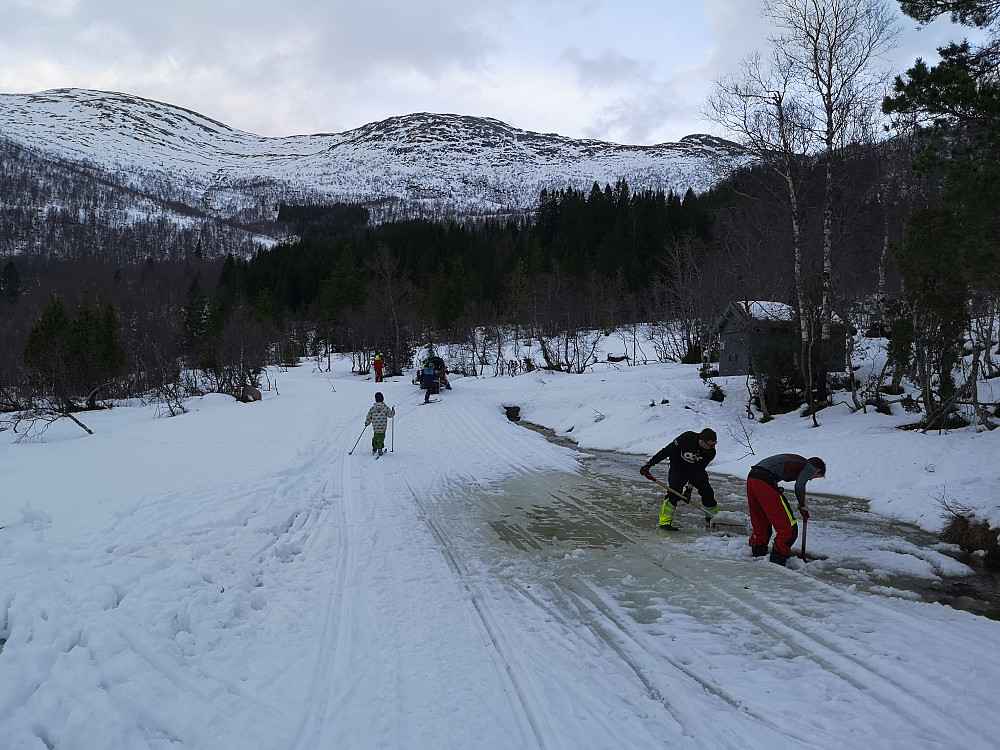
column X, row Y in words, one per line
column 672, row 491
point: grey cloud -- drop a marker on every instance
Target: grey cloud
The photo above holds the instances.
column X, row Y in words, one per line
column 607, row 69
column 350, row 38
column 650, row 119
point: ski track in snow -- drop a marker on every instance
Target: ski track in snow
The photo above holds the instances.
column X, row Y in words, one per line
column 237, row 540
column 339, row 543
column 389, row 510
column 525, row 701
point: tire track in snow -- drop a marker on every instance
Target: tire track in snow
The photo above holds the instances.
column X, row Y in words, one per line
column 522, row 693
column 784, row 628
column 625, row 639
column 621, row 637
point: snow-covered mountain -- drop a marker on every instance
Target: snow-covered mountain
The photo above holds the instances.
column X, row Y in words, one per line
column 425, row 164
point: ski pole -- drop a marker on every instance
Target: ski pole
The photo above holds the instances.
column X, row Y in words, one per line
column 358, row 440
column 392, row 435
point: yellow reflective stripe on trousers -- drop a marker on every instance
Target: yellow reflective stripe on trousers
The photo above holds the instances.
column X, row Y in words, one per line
column 788, row 510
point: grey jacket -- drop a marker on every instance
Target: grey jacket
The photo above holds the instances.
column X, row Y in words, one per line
column 786, row 467
column 379, row 415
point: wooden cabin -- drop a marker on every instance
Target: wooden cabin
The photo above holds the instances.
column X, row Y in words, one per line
column 749, row 329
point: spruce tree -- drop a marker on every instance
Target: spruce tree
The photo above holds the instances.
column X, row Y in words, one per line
column 10, row 283
column 48, row 352
column 74, row 357
column 195, row 316
column 959, row 100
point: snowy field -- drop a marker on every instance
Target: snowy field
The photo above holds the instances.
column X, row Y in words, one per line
column 235, row 578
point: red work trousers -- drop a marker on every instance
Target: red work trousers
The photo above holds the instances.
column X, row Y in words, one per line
column 768, row 508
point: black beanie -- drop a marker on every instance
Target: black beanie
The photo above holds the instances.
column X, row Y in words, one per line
column 708, row 435
column 379, row 396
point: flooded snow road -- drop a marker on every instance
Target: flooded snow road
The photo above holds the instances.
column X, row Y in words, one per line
column 610, row 507
column 563, row 565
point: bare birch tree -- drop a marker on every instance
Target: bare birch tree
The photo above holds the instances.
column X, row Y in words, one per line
column 834, row 48
column 759, row 105
column 814, row 92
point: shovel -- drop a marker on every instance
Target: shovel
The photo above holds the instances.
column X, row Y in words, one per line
column 716, row 525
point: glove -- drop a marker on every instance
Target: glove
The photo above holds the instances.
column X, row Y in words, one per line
column 687, row 493
column 645, row 471
column 804, row 512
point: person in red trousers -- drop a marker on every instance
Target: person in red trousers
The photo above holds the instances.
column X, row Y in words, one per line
column 768, row 507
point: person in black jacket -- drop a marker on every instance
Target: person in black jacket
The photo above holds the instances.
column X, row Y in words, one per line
column 689, row 453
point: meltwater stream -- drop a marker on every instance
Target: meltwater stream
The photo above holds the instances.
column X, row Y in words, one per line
column 847, row 545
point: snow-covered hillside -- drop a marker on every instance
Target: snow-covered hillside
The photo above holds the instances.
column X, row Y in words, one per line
column 418, row 164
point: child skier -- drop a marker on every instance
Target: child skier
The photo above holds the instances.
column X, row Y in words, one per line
column 378, row 417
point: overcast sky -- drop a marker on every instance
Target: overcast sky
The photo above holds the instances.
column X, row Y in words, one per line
column 630, row 71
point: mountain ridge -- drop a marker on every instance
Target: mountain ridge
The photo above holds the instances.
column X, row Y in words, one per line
column 421, row 164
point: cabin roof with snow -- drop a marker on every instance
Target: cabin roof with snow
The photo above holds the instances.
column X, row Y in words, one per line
column 738, row 316
column 757, row 311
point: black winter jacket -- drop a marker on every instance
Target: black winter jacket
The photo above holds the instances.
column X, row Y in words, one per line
column 686, row 448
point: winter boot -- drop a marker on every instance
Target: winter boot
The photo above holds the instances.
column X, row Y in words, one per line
column 759, row 551
column 667, row 512
column 777, row 557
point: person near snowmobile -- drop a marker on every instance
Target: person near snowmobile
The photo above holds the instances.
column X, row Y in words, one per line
column 689, row 453
column 429, row 382
column 768, row 506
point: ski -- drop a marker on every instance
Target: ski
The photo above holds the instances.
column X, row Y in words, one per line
column 432, row 401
